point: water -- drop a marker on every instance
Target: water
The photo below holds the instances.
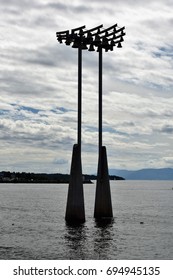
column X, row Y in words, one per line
column 33, row 226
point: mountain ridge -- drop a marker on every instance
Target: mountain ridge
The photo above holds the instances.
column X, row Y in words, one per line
column 144, row 174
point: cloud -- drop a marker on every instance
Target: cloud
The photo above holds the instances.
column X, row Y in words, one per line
column 60, row 161
column 38, row 87
column 167, row 129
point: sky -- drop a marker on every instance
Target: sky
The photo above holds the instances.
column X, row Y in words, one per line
column 38, row 86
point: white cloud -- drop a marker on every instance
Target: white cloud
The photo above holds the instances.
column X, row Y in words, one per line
column 40, row 74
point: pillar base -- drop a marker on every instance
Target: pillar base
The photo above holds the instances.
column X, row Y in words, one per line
column 103, row 203
column 75, row 211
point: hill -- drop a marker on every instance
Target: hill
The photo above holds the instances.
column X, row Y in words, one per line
column 145, row 174
column 24, row 177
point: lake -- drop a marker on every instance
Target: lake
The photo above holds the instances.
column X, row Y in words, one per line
column 33, row 226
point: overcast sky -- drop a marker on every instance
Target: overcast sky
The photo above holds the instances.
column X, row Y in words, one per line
column 38, row 86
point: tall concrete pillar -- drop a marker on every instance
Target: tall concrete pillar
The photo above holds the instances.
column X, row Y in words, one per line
column 75, row 212
column 103, row 203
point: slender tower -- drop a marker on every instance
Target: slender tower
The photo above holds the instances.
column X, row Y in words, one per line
column 83, row 39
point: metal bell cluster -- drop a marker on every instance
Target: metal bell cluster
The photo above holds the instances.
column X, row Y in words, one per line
column 93, row 39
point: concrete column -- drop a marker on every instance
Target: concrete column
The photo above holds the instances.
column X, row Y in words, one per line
column 75, row 212
column 103, row 203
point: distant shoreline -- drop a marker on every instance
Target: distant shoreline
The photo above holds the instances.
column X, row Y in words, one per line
column 43, row 178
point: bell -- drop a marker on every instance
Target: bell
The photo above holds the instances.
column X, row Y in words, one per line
column 59, row 39
column 81, row 32
column 68, row 41
column 91, row 48
column 108, row 47
column 111, row 48
column 97, row 40
column 112, row 43
column 99, row 48
column 105, row 43
column 76, row 44
column 89, row 38
column 119, row 45
column 83, row 46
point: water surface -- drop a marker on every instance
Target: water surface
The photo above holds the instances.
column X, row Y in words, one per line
column 33, row 225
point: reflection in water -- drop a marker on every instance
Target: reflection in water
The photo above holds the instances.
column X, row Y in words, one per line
column 95, row 240
column 103, row 238
column 75, row 238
